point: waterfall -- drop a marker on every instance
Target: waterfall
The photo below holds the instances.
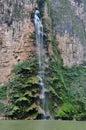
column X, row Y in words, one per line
column 40, row 53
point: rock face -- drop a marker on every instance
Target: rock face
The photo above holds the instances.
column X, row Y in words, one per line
column 71, row 49
column 16, row 28
column 69, row 27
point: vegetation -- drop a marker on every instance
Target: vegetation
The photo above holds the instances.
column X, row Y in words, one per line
column 67, row 88
column 23, row 92
column 3, row 92
column 67, row 85
column 41, row 5
column 67, row 97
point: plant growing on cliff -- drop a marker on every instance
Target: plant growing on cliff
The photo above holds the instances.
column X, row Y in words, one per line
column 41, row 5
column 73, row 94
column 67, row 88
column 24, row 92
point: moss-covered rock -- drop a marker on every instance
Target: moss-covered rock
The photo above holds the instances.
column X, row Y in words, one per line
column 24, row 91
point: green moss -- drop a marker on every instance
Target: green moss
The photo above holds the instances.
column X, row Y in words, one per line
column 66, row 111
column 67, row 88
column 53, row 92
column 23, row 91
column 3, row 92
column 2, row 108
column 74, row 92
column 41, row 6
column 81, row 117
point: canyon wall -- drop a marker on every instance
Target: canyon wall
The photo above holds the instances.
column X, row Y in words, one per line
column 69, row 27
column 16, row 29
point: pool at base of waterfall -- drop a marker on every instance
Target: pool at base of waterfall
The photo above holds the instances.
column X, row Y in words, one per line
column 42, row 125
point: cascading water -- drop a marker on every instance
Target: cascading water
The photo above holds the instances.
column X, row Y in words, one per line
column 40, row 53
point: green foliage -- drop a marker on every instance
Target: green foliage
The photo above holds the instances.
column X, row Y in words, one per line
column 27, row 67
column 66, row 111
column 3, row 92
column 46, row 30
column 67, row 88
column 53, row 92
column 24, row 91
column 81, row 117
column 3, row 108
column 41, row 5
column 67, row 97
column 67, row 85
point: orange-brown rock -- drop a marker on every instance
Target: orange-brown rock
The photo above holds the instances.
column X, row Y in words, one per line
column 15, row 30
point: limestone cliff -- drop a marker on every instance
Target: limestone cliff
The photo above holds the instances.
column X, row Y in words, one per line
column 15, row 32
column 16, row 28
column 69, row 27
column 64, row 29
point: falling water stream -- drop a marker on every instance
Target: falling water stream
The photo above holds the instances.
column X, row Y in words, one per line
column 40, row 53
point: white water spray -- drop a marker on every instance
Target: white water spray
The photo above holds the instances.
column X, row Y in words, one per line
column 39, row 44
column 41, row 58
